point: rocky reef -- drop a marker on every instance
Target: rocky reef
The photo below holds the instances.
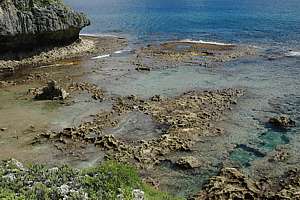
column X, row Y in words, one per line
column 232, row 184
column 177, row 53
column 30, row 24
column 186, row 117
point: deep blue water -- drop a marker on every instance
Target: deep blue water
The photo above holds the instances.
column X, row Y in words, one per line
column 272, row 22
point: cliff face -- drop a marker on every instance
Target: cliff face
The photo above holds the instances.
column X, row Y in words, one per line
column 28, row 24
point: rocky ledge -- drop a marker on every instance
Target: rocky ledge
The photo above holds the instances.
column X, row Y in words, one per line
column 29, row 24
column 232, row 184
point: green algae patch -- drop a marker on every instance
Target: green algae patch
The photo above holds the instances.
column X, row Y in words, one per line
column 109, row 180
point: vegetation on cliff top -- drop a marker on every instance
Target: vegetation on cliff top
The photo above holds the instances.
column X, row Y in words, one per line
column 107, row 181
column 47, row 2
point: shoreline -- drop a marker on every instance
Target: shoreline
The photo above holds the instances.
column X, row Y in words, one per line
column 109, row 134
column 85, row 46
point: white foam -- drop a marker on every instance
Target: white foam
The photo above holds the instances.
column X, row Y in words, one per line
column 122, row 51
column 293, row 54
column 98, row 35
column 101, row 56
column 204, row 42
column 119, row 52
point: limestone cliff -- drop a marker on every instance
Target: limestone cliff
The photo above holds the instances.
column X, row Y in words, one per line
column 30, row 24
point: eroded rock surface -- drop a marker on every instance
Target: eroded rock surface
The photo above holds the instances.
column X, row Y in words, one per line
column 27, row 24
column 176, row 53
column 232, row 184
column 282, row 121
column 51, row 92
column 186, row 117
column 188, row 162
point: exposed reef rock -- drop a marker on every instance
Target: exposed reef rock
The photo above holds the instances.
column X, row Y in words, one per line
column 186, row 117
column 282, row 122
column 188, row 162
column 30, row 24
column 232, row 184
column 51, row 92
column 178, row 53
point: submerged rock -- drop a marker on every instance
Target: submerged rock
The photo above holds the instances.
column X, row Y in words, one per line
column 282, row 122
column 30, row 24
column 51, row 92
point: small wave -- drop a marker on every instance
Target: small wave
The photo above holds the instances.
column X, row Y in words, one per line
column 101, row 56
column 122, row 51
column 99, row 35
column 293, row 54
column 205, row 42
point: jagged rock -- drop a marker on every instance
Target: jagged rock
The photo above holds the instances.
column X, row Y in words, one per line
column 188, row 162
column 279, row 155
column 184, row 118
column 28, row 24
column 230, row 184
column 51, row 92
column 282, row 122
column 97, row 94
column 108, row 142
column 156, row 98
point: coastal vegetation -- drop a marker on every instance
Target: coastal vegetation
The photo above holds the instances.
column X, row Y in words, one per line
column 109, row 180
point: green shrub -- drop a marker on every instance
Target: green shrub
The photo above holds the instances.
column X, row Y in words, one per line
column 6, row 194
column 104, row 182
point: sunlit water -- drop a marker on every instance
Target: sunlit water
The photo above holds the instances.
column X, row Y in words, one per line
column 247, row 21
column 272, row 85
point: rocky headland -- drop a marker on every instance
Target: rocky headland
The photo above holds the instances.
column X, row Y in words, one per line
column 30, row 24
column 40, row 32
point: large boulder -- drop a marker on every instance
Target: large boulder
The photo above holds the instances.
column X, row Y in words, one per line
column 30, row 24
column 51, row 92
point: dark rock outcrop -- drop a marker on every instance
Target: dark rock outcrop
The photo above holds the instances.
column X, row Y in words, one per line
column 30, row 24
column 51, row 92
